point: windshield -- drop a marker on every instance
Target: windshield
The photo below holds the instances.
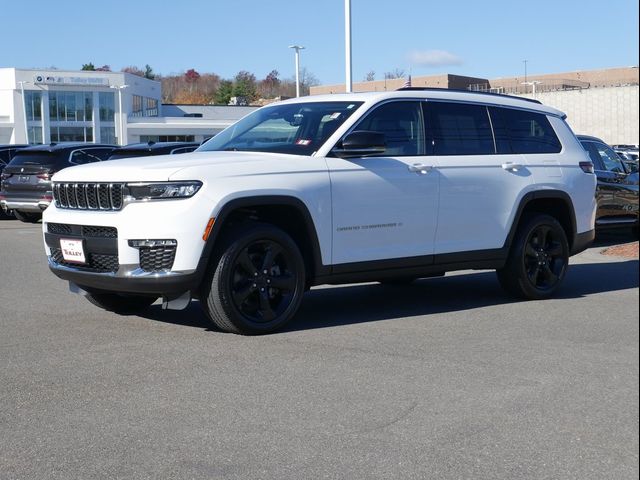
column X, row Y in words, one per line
column 295, row 128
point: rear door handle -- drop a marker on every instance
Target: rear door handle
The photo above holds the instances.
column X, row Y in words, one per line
column 420, row 168
column 512, row 167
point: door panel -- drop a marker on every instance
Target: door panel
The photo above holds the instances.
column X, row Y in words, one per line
column 385, row 206
column 381, row 209
column 478, row 198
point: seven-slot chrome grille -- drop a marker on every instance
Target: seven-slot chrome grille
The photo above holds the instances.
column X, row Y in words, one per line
column 89, row 196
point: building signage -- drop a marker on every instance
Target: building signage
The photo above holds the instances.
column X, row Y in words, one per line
column 57, row 80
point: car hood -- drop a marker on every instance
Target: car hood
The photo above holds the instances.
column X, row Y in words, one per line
column 173, row 167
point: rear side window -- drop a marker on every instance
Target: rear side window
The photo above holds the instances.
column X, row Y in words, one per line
column 529, row 132
column 90, row 155
column 459, row 129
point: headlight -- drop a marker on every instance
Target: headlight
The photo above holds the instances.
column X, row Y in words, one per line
column 163, row 190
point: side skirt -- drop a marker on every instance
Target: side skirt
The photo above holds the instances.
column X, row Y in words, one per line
column 418, row 267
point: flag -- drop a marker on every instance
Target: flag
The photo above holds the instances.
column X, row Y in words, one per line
column 407, row 82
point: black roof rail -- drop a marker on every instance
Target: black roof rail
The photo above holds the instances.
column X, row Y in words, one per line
column 458, row 90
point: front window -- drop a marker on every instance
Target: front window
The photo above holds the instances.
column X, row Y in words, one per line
column 295, row 128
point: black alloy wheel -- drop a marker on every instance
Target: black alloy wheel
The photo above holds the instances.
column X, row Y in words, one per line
column 538, row 259
column 256, row 284
column 263, row 282
column 544, row 257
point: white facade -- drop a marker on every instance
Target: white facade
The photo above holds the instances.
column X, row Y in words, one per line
column 44, row 106
column 609, row 113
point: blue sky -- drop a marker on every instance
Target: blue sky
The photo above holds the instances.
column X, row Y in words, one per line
column 486, row 39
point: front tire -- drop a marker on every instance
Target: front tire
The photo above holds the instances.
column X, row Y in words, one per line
column 28, row 217
column 538, row 259
column 257, row 284
column 120, row 303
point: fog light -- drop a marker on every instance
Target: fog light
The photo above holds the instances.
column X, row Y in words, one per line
column 152, row 243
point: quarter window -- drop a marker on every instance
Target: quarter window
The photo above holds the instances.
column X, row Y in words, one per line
column 529, row 132
column 459, row 129
column 403, row 126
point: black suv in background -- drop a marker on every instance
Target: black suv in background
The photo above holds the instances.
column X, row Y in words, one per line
column 153, row 148
column 6, row 154
column 617, row 190
column 25, row 186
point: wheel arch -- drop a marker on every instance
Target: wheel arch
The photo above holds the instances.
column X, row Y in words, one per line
column 286, row 212
column 556, row 203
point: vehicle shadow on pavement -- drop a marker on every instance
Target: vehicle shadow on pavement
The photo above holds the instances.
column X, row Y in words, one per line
column 366, row 303
column 352, row 304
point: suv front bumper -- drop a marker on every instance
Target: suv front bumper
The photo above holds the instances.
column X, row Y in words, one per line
column 129, row 279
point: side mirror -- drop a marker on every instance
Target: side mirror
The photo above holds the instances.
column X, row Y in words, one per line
column 360, row 144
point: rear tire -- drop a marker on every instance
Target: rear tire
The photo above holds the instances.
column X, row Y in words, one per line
column 120, row 303
column 257, row 284
column 538, row 259
column 28, row 217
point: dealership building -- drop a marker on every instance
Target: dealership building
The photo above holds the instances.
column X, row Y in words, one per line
column 44, row 106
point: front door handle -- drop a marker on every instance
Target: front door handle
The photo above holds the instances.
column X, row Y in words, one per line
column 512, row 167
column 420, row 168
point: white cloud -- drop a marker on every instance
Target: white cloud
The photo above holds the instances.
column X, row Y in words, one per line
column 433, row 58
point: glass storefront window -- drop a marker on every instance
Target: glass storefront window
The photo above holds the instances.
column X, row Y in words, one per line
column 35, row 135
column 71, row 106
column 107, row 106
column 151, row 107
column 136, row 106
column 33, row 106
column 71, row 134
column 167, row 138
column 108, row 135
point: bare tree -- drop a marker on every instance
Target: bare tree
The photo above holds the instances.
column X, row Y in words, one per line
column 370, row 76
column 397, row 73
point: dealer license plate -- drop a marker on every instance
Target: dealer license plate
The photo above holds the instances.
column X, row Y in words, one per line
column 72, row 250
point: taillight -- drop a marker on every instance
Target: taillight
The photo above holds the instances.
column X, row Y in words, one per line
column 587, row 167
column 44, row 176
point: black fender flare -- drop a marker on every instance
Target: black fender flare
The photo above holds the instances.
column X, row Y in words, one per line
column 537, row 195
column 261, row 200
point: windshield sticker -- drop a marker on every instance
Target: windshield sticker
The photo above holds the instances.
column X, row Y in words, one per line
column 303, row 142
column 333, row 116
column 350, row 106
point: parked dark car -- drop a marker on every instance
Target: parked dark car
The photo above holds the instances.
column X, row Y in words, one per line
column 617, row 190
column 153, row 148
column 25, row 186
column 6, row 154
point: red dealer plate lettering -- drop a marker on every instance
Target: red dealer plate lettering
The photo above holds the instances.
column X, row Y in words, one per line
column 72, row 250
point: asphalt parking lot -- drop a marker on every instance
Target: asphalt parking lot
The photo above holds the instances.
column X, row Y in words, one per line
column 446, row 378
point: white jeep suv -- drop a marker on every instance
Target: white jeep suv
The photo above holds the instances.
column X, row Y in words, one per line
column 386, row 187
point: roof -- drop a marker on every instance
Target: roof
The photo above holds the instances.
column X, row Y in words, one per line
column 590, row 138
column 430, row 93
column 150, row 146
column 57, row 147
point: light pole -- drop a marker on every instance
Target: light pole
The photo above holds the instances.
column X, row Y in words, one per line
column 24, row 110
column 120, row 122
column 525, row 70
column 347, row 46
column 297, row 48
